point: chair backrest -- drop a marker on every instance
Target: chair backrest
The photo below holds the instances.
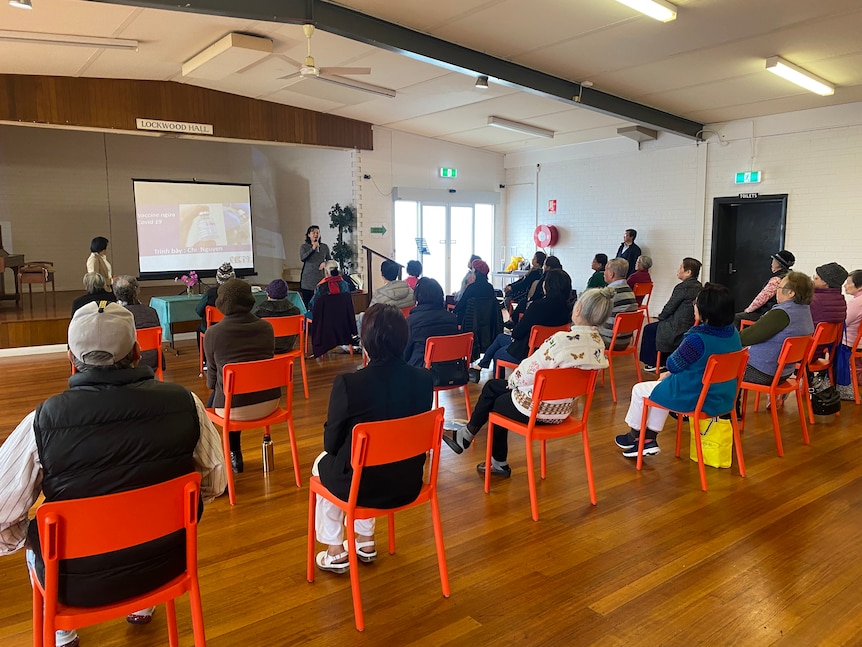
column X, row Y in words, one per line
column 286, row 326
column 260, row 375
column 213, row 315
column 642, row 290
column 794, row 350
column 627, row 322
column 722, row 367
column 67, row 529
column 563, row 383
column 447, row 347
column 538, row 334
column 825, row 334
column 151, row 339
column 390, row 441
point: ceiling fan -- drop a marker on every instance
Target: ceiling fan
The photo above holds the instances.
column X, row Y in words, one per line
column 309, row 70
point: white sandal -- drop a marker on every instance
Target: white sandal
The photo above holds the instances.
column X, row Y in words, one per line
column 327, row 562
column 366, row 556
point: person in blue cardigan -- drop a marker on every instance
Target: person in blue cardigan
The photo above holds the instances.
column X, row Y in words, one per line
column 679, row 388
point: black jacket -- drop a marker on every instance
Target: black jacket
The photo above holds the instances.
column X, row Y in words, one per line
column 426, row 321
column 280, row 308
column 478, row 289
column 520, row 288
column 380, row 391
column 84, row 299
column 113, row 431
column 544, row 312
column 677, row 316
column 631, row 255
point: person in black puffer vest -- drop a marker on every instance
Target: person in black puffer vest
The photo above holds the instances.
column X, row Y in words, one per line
column 115, row 429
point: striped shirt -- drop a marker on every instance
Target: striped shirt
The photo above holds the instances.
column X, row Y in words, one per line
column 624, row 301
column 21, row 475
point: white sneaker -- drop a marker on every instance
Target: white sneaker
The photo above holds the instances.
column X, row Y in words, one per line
column 66, row 638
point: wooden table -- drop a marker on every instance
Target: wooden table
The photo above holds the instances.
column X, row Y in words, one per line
column 14, row 263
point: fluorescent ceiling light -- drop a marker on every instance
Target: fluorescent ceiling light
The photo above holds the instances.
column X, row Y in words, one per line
column 800, row 77
column 482, row 83
column 518, row 127
column 21, row 4
column 67, row 39
column 658, row 9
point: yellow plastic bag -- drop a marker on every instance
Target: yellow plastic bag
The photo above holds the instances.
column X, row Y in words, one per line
column 716, row 437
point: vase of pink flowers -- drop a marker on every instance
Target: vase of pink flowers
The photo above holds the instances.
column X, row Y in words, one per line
column 189, row 280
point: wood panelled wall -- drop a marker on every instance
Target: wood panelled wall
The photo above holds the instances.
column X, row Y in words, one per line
column 116, row 103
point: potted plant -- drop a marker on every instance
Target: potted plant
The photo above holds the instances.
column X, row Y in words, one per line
column 343, row 219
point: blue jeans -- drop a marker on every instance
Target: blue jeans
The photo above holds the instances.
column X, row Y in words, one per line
column 497, row 350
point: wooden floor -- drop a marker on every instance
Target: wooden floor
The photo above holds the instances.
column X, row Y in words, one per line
column 771, row 559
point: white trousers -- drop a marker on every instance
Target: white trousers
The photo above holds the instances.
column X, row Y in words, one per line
column 329, row 518
column 656, row 416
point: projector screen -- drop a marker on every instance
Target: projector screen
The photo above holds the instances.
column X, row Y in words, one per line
column 184, row 226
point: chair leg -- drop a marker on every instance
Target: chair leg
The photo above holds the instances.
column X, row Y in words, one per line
column 488, row 458
column 309, row 567
column 231, row 486
column 171, row 613
column 774, row 412
column 354, row 574
column 438, row 541
column 38, row 616
column 304, row 374
column 737, row 441
column 588, row 460
column 854, row 380
column 294, row 452
column 799, row 398
column 531, row 479
column 678, row 435
column 642, row 437
column 699, row 447
column 543, row 461
column 197, row 615
column 637, row 366
column 467, row 401
column 744, row 403
column 611, row 376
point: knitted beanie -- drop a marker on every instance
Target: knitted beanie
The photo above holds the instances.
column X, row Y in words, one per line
column 833, row 274
column 784, row 258
column 277, row 289
column 234, row 297
column 224, row 272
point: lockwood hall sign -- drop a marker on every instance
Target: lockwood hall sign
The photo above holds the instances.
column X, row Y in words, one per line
column 180, row 127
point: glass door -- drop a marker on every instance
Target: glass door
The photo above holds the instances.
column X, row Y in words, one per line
column 460, row 244
column 434, row 228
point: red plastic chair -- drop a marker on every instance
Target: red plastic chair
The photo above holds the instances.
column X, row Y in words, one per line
column 449, row 347
column 538, row 335
column 855, row 354
column 720, row 368
column 624, row 322
column 643, row 290
column 550, row 384
column 285, row 327
column 406, row 311
column 248, row 377
column 212, row 315
column 828, row 335
column 151, row 339
column 794, row 350
column 67, row 531
column 380, row 443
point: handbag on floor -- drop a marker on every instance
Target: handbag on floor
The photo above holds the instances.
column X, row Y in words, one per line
column 716, row 438
column 449, row 373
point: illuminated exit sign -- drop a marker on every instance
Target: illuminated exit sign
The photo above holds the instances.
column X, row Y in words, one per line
column 448, row 172
column 748, row 177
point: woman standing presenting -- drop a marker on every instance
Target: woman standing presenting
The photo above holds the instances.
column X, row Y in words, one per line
column 313, row 255
column 97, row 262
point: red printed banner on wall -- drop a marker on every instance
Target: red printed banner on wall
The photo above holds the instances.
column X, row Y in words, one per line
column 552, row 206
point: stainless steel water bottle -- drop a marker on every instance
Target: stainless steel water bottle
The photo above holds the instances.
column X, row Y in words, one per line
column 267, row 454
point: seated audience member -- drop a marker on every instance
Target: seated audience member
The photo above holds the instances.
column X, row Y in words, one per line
column 331, row 283
column 519, row 290
column 223, row 274
column 677, row 316
column 414, row 271
column 582, row 347
column 239, row 337
column 597, row 280
column 429, row 318
column 853, row 287
column 553, row 310
column 535, row 293
column 828, row 304
column 480, row 288
column 761, row 304
column 128, row 293
column 94, row 284
column 394, row 291
column 624, row 301
column 679, row 388
column 114, row 429
column 641, row 274
column 469, row 277
column 789, row 317
column 366, row 396
column 277, row 305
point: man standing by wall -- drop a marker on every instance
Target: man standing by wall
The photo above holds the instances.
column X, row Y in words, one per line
column 629, row 251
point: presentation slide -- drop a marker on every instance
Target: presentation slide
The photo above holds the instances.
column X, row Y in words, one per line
column 184, row 226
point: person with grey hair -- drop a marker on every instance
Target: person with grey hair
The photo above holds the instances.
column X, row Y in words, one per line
column 128, row 293
column 624, row 301
column 94, row 284
column 641, row 274
column 114, row 429
column 581, row 347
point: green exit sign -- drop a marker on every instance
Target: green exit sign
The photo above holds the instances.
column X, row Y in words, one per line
column 748, row 177
column 448, row 172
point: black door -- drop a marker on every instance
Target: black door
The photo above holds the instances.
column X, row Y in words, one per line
column 746, row 232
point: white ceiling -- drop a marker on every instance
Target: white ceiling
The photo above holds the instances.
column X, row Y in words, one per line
column 708, row 65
